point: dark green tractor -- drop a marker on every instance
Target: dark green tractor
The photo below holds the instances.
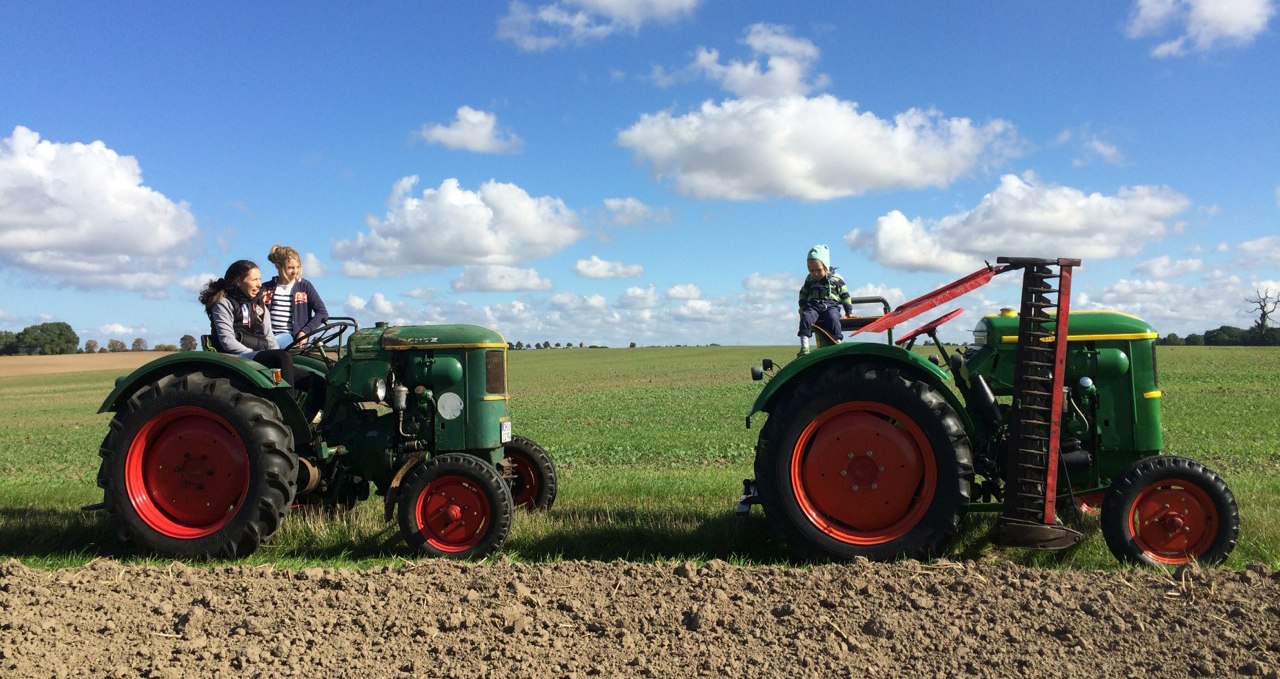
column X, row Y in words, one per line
column 207, row 453
column 873, row 450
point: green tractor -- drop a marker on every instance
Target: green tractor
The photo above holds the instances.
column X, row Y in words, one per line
column 872, row 450
column 207, row 452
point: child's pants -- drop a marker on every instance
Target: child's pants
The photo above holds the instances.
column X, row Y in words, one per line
column 825, row 314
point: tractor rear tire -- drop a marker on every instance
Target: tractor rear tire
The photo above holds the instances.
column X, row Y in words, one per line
column 195, row 467
column 863, row 460
column 1166, row 510
column 455, row 506
column 534, row 483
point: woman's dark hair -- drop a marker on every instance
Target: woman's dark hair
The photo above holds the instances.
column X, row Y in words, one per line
column 215, row 289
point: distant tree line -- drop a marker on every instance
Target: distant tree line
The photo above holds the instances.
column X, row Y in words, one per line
column 42, row 339
column 1226, row 336
column 520, row 346
column 1260, row 334
column 48, row 339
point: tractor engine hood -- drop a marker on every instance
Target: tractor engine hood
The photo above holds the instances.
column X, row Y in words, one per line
column 383, row 337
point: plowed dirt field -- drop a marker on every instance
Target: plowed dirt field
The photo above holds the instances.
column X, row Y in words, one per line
column 582, row 619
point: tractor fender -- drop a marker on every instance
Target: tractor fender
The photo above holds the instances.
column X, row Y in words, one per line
column 869, row 352
column 187, row 361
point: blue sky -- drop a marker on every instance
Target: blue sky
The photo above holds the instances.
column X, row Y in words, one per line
column 609, row 171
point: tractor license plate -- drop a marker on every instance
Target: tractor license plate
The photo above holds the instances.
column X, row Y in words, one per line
column 506, row 432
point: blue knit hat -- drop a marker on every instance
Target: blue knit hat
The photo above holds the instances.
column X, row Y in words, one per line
column 821, row 253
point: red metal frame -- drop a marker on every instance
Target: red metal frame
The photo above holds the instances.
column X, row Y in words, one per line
column 927, row 301
column 1059, row 369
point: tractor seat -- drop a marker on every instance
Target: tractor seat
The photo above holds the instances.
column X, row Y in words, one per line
column 206, row 343
column 857, row 322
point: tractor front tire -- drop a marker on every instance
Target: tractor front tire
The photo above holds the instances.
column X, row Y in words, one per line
column 534, row 481
column 863, row 460
column 1166, row 510
column 195, row 467
column 455, row 506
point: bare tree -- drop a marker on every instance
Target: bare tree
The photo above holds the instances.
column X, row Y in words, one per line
column 1265, row 305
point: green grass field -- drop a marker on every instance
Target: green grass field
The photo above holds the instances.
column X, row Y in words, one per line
column 652, row 449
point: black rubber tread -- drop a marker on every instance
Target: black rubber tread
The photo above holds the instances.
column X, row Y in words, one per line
column 839, row 383
column 1124, row 491
column 273, row 465
column 485, row 475
column 537, row 457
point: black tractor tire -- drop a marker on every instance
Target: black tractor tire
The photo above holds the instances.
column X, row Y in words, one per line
column 196, row 467
column 534, row 481
column 455, row 506
column 1166, row 510
column 864, row 460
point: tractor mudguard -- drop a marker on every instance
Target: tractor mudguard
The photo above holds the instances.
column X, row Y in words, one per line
column 885, row 354
column 254, row 373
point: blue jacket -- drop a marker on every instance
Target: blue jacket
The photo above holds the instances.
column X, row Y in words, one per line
column 309, row 311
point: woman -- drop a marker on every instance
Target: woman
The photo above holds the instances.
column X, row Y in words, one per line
column 295, row 305
column 240, row 322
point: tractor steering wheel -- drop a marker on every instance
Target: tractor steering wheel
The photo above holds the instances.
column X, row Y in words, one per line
column 318, row 342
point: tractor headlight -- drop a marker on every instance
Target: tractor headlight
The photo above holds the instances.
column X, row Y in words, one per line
column 378, row 387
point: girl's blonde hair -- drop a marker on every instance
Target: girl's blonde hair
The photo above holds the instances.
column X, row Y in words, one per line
column 280, row 256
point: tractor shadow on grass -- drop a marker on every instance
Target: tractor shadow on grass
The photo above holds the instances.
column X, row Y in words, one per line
column 57, row 534
column 644, row 535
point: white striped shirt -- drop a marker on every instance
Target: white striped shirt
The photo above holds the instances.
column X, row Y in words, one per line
column 282, row 308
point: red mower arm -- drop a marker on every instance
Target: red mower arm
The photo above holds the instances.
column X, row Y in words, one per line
column 928, row 328
column 942, row 295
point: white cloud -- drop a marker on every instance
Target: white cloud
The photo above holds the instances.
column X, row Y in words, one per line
column 1184, row 308
column 497, row 224
column 311, row 266
column 499, row 278
column 472, row 130
column 815, row 148
column 786, row 71
column 639, row 298
column 1164, row 267
column 776, row 140
column 197, row 282
column 376, row 305
column 599, row 268
column 576, row 22
column 1200, row 25
column 1022, row 218
column 571, row 301
column 114, row 329
column 1260, row 250
column 697, row 310
column 79, row 213
column 687, row 291
column 901, row 243
column 758, row 282
column 631, row 211
column 1090, row 147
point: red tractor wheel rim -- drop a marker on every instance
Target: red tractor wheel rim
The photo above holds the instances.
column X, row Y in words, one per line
column 863, row 473
column 452, row 513
column 186, row 473
column 527, row 481
column 1173, row 522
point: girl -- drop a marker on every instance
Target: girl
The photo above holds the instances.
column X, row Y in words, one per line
column 295, row 305
column 240, row 322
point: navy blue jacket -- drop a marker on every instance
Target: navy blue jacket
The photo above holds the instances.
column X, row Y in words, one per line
column 309, row 311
